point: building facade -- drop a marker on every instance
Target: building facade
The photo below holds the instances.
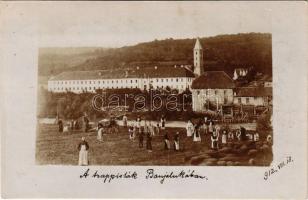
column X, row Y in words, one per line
column 213, row 88
column 253, row 96
column 176, row 77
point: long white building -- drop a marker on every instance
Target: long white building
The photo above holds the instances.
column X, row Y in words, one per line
column 144, row 78
column 176, row 77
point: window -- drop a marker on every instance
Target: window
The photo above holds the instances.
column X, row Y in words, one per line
column 239, row 100
column 162, row 80
column 131, row 81
column 136, row 81
column 157, row 80
column 177, row 80
column 182, row 79
column 247, row 100
column 166, row 80
column 216, row 92
column 90, row 82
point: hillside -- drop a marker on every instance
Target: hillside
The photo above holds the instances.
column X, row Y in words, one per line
column 223, row 52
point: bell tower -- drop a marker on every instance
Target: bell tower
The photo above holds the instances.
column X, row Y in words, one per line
column 198, row 58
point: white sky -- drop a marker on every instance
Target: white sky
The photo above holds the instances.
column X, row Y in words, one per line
column 115, row 24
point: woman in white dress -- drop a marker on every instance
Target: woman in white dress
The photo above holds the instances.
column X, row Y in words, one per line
column 100, row 132
column 189, row 129
column 224, row 138
column 211, row 128
column 83, row 148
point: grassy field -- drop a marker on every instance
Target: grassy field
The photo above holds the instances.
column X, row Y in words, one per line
column 57, row 148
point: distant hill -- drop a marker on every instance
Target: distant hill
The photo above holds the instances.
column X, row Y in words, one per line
column 223, row 52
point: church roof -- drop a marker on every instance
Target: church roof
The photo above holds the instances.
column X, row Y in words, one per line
column 142, row 72
column 213, row 80
column 198, row 44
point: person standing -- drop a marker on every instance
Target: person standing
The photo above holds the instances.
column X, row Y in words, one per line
column 152, row 129
column 256, row 137
column 149, row 142
column 224, row 137
column 163, row 122
column 197, row 137
column 243, row 134
column 157, row 128
column 83, row 148
column 177, row 141
column 211, row 128
column 131, row 133
column 124, row 121
column 100, row 130
column 86, row 122
column 138, row 123
column 60, row 123
column 141, row 137
column 230, row 136
column 189, row 128
column 166, row 141
column 214, row 140
column 238, row 135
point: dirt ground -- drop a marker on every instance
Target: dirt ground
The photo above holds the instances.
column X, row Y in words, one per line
column 57, row 148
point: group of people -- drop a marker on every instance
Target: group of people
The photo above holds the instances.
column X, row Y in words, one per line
column 74, row 125
column 217, row 136
column 146, row 130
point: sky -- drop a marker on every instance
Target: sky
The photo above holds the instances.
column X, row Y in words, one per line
column 116, row 24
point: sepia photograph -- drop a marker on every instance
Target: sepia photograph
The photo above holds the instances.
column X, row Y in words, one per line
column 203, row 101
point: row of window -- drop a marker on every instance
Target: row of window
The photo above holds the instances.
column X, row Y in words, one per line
column 215, row 91
column 94, row 88
column 247, row 99
column 119, row 81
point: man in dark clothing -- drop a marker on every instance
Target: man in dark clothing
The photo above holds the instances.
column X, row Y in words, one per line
column 149, row 142
column 141, row 139
column 60, row 123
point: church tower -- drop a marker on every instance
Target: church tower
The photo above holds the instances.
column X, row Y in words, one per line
column 198, row 58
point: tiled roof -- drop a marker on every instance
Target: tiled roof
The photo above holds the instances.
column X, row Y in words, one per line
column 253, row 92
column 213, row 80
column 145, row 72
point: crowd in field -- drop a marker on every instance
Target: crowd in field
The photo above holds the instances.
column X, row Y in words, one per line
column 143, row 130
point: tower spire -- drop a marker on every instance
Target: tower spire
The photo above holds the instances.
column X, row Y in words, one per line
column 198, row 58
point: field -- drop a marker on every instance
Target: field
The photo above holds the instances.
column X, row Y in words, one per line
column 57, row 148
